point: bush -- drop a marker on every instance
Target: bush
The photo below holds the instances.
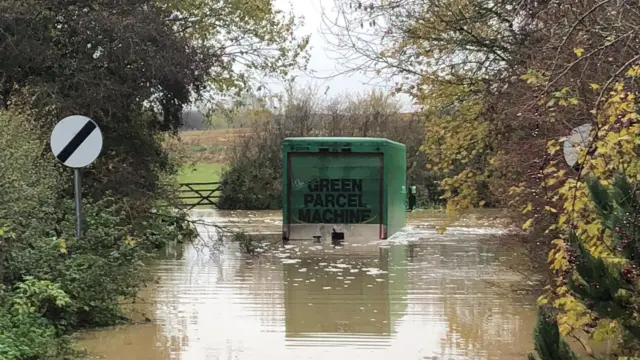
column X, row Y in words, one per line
column 52, row 283
column 24, row 333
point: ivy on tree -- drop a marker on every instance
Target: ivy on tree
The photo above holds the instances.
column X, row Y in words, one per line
column 548, row 343
column 607, row 285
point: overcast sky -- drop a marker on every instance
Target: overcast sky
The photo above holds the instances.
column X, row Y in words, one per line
column 321, row 55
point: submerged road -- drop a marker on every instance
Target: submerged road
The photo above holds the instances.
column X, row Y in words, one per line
column 421, row 295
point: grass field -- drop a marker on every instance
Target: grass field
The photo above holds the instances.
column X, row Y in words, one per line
column 201, row 172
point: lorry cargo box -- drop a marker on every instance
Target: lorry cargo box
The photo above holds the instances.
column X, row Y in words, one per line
column 343, row 187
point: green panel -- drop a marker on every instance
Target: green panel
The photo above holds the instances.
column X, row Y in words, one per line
column 395, row 187
column 334, row 188
column 284, row 193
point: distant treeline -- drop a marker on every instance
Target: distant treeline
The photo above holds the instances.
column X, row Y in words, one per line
column 253, row 180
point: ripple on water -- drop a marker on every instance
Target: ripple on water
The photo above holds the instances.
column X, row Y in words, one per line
column 421, row 295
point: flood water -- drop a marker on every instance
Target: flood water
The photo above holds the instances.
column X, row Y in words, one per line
column 422, row 295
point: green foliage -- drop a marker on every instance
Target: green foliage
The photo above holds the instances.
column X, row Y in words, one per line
column 59, row 58
column 27, row 337
column 251, row 186
column 548, row 343
column 608, row 285
column 250, row 37
column 500, row 100
column 603, row 289
column 52, row 283
column 24, row 333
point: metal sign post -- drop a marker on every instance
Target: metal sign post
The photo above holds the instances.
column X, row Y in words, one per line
column 77, row 189
column 76, row 141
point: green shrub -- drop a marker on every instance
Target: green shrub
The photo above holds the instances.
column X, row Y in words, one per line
column 246, row 186
column 52, row 283
column 24, row 332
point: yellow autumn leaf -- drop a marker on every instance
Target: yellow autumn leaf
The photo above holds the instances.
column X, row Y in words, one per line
column 62, row 246
column 130, row 241
column 542, row 301
column 594, row 86
column 562, row 290
column 550, row 209
column 593, row 229
column 578, row 51
column 527, row 224
column 565, row 329
column 527, row 208
column 634, row 71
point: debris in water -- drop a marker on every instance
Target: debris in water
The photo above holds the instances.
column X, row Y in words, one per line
column 290, row 261
column 374, row 271
column 341, row 265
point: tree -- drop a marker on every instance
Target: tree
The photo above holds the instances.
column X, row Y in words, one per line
column 549, row 345
column 238, row 113
column 455, row 58
column 249, row 39
column 510, row 80
column 608, row 285
column 132, row 66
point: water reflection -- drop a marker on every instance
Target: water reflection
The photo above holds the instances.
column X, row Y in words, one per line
column 423, row 295
column 345, row 298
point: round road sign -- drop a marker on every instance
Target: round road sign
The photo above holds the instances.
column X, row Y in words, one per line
column 76, row 141
column 579, row 138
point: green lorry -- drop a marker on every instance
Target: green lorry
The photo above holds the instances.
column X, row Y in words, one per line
column 343, row 187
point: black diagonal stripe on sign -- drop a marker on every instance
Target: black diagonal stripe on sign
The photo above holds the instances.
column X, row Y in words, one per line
column 77, row 140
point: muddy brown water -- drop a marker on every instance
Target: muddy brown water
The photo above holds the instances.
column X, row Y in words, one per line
column 421, row 295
